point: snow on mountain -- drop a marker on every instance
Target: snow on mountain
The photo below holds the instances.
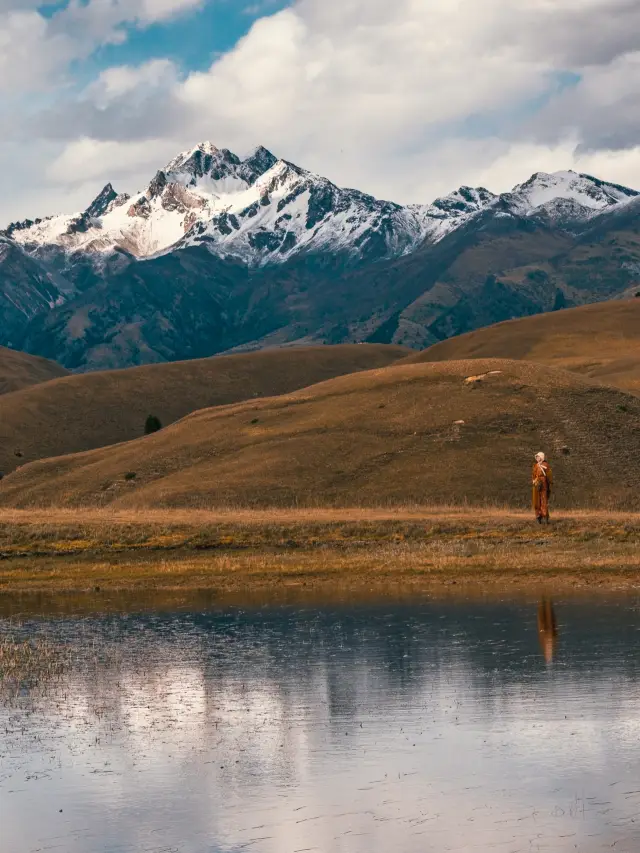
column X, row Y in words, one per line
column 264, row 210
column 451, row 211
column 287, row 210
column 259, row 209
column 562, row 197
column 562, row 193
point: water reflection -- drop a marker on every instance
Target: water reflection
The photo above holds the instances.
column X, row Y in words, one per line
column 547, row 629
column 356, row 730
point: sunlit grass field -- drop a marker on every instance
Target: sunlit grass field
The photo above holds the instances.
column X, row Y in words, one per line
column 236, row 550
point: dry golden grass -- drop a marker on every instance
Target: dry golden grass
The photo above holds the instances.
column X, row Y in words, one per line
column 20, row 370
column 81, row 412
column 412, row 433
column 243, row 553
column 600, row 341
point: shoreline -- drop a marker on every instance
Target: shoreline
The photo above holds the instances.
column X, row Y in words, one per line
column 315, row 552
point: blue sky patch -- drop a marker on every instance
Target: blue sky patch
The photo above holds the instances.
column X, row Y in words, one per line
column 192, row 40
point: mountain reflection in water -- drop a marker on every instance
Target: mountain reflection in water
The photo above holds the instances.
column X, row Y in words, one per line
column 359, row 729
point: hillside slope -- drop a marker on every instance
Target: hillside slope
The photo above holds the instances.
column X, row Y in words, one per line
column 92, row 410
column 20, row 370
column 601, row 341
column 444, row 432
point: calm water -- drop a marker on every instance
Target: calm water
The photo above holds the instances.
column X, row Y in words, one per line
column 442, row 726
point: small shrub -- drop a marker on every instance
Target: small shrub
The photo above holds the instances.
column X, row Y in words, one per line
column 152, row 424
column 254, row 421
column 130, row 475
column 621, row 407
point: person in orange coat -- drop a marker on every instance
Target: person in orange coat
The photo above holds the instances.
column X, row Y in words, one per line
column 542, row 482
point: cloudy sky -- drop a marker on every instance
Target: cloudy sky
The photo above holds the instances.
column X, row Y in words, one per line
column 406, row 99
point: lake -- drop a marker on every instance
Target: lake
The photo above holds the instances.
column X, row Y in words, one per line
column 453, row 725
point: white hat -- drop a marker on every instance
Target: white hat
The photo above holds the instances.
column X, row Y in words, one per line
column 540, row 457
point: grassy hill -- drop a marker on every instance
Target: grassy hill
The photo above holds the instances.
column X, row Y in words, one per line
column 20, row 370
column 601, row 341
column 440, row 432
column 96, row 409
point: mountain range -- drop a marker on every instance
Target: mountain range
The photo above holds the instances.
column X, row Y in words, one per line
column 221, row 253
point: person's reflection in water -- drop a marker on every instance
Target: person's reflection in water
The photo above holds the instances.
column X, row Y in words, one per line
column 547, row 629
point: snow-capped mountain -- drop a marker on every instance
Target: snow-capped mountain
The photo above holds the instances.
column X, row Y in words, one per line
column 449, row 212
column 259, row 209
column 264, row 210
column 288, row 210
column 563, row 194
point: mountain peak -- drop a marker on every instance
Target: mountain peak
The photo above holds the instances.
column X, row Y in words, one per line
column 451, row 211
column 558, row 178
column 206, row 147
column 101, row 202
column 462, row 201
column 193, row 159
column 256, row 151
column 543, row 189
column 260, row 159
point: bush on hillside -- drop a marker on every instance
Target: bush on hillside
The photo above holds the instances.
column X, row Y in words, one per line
column 152, row 424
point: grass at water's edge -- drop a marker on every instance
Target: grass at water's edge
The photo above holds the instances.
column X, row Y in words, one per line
column 244, row 551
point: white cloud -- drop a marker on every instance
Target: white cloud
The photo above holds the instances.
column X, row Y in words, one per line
column 103, row 19
column 35, row 50
column 118, row 82
column 380, row 68
column 29, row 52
column 161, row 10
column 602, row 111
column 411, row 98
column 85, row 160
column 22, row 5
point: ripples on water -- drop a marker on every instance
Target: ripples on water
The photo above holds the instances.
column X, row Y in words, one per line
column 435, row 727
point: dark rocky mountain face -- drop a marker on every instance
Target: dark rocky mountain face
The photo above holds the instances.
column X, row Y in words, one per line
column 268, row 254
column 468, row 281
column 27, row 290
column 101, row 202
column 179, row 306
column 511, row 267
column 190, row 303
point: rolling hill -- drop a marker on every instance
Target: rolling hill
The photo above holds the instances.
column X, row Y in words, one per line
column 20, row 370
column 91, row 410
column 601, row 341
column 440, row 432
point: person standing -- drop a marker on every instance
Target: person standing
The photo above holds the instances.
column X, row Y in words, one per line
column 542, row 481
